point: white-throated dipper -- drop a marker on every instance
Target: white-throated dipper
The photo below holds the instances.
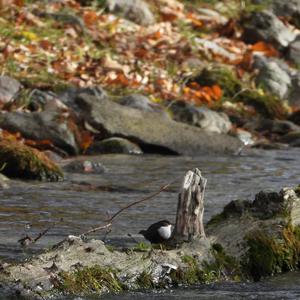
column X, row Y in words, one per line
column 158, row 232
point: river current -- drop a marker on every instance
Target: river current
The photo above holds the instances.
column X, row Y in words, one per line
column 83, row 201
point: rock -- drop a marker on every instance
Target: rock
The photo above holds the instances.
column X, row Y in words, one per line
column 260, row 232
column 295, row 117
column 9, row 88
column 40, row 126
column 267, row 145
column 69, row 95
column 294, row 51
column 294, row 96
column 43, row 100
column 21, row 161
column 136, row 11
column 292, row 138
column 85, row 166
column 289, row 9
column 151, row 130
column 278, row 127
column 203, row 117
column 266, row 26
column 272, row 76
column 114, row 145
column 4, row 184
column 140, row 102
column 245, row 136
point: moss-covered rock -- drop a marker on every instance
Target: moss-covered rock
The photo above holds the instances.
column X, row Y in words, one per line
column 21, row 161
column 269, row 255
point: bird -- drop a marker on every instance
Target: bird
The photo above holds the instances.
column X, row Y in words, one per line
column 158, row 232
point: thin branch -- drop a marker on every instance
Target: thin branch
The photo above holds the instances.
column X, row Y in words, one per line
column 110, row 220
column 97, row 229
column 139, row 201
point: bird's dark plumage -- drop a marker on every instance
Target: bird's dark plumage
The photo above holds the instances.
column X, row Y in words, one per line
column 156, row 234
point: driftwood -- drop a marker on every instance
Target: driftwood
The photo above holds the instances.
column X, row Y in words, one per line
column 189, row 217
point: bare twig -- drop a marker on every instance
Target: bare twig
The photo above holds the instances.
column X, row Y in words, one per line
column 27, row 240
column 109, row 221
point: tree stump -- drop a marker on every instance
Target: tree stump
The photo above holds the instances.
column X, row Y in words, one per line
column 190, row 208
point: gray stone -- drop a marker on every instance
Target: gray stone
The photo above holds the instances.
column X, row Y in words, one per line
column 140, row 102
column 294, row 51
column 41, row 126
column 273, row 77
column 294, row 96
column 84, row 166
column 69, row 95
column 152, row 129
column 136, row 11
column 266, row 26
column 203, row 117
column 114, row 145
column 290, row 9
column 9, row 87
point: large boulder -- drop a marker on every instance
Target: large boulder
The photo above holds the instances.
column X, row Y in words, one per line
column 42, row 126
column 152, row 129
column 136, row 11
column 203, row 117
column 265, row 26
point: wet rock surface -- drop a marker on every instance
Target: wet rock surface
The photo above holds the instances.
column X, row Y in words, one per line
column 152, row 129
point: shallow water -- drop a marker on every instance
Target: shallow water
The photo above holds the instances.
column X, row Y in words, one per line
column 84, row 200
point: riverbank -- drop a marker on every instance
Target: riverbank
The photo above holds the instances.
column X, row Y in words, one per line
column 191, row 263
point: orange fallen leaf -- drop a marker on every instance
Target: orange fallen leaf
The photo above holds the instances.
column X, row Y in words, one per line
column 266, row 49
column 90, row 17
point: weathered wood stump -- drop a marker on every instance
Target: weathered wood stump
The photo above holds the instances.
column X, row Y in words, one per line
column 190, row 208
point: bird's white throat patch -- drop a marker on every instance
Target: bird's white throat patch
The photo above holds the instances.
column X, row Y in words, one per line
column 165, row 231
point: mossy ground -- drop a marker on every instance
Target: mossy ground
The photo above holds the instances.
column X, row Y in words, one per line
column 89, row 280
column 21, row 161
column 268, row 255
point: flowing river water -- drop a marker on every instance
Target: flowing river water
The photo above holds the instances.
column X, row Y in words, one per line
column 82, row 201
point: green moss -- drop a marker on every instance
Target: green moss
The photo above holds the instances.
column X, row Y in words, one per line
column 266, row 104
column 223, row 267
column 25, row 162
column 141, row 247
column 145, row 281
column 89, row 280
column 268, row 255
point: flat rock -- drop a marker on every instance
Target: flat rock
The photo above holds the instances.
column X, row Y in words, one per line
column 294, row 96
column 152, row 129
